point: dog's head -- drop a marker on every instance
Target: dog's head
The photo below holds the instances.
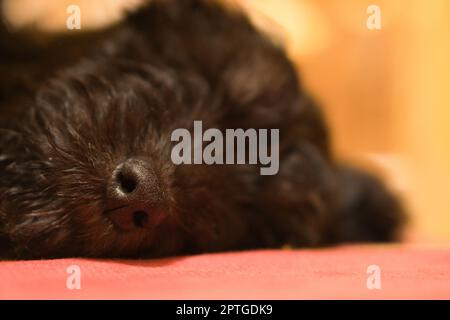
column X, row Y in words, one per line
column 89, row 172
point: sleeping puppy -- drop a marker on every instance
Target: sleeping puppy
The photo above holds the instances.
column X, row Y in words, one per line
column 86, row 141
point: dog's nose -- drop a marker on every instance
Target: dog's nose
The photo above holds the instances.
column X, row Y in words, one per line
column 134, row 197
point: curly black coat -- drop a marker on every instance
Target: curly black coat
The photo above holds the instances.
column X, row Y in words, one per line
column 74, row 107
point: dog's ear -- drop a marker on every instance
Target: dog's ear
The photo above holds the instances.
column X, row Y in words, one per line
column 29, row 58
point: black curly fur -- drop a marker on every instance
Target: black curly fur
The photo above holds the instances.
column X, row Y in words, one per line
column 74, row 107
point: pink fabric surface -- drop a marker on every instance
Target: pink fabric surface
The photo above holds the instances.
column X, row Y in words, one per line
column 408, row 272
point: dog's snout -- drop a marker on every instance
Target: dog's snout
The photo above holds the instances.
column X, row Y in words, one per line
column 134, row 197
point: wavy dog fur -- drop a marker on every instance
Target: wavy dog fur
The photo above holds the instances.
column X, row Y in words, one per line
column 88, row 102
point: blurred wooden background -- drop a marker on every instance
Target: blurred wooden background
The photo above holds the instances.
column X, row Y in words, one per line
column 386, row 93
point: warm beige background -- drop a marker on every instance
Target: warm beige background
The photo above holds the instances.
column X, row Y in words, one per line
column 386, row 93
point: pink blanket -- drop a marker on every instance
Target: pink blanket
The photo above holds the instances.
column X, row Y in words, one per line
column 405, row 271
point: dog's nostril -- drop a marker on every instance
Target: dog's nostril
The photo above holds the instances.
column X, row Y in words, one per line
column 140, row 218
column 127, row 183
